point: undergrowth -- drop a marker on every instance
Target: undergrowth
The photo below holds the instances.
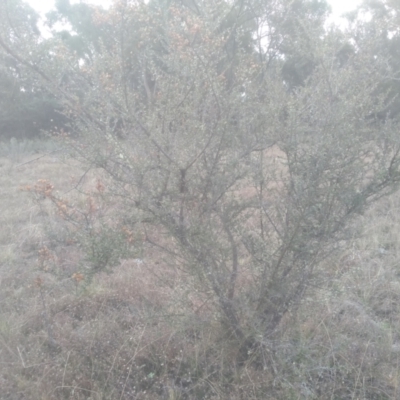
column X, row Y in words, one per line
column 73, row 327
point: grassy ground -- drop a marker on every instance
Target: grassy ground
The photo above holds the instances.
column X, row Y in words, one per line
column 140, row 332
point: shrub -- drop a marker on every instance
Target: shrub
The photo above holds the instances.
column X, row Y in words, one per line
column 245, row 181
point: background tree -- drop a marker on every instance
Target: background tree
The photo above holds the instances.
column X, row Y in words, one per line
column 84, row 30
column 288, row 35
column 26, row 107
column 381, row 30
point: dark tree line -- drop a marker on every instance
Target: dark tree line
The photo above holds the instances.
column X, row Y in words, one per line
column 287, row 42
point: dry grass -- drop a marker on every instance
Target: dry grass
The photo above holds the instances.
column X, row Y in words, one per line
column 142, row 332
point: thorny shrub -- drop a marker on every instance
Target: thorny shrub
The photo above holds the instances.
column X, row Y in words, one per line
column 246, row 184
column 246, row 181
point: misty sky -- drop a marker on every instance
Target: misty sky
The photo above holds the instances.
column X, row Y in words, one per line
column 44, row 6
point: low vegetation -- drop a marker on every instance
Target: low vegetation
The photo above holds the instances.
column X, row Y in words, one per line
column 143, row 331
